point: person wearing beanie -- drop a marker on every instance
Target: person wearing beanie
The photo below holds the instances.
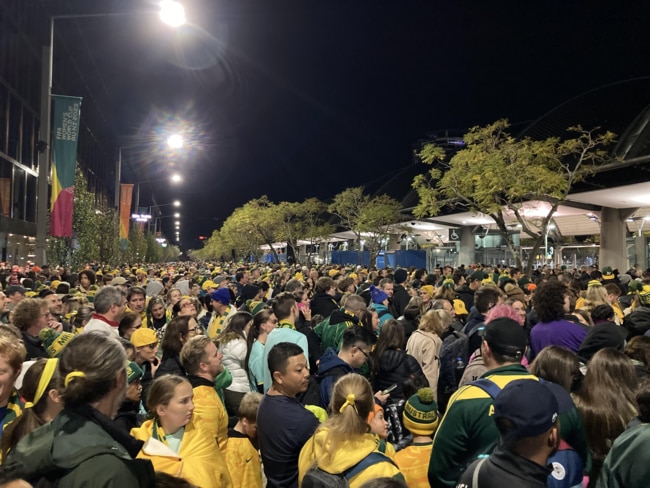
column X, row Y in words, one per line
column 220, row 301
column 421, row 418
column 426, row 294
column 401, row 297
column 380, row 304
column 53, row 341
column 128, row 416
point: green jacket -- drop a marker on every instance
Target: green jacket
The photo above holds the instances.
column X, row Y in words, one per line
column 330, row 331
column 628, row 463
column 468, row 430
column 74, row 452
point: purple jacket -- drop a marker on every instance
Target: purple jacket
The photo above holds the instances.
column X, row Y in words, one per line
column 563, row 333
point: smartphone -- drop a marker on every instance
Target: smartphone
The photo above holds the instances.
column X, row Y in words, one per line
column 389, row 389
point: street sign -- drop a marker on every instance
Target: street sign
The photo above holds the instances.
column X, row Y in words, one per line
column 454, row 235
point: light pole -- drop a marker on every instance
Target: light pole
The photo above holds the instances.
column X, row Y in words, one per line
column 171, row 12
column 549, row 228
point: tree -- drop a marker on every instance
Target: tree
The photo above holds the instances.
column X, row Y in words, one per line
column 497, row 174
column 366, row 216
column 301, row 221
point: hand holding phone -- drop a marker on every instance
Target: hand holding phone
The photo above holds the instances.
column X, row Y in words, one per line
column 389, row 389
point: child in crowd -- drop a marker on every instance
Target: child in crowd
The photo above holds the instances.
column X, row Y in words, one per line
column 242, row 457
column 421, row 419
column 379, row 427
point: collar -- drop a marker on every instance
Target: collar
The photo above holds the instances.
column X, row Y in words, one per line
column 112, row 323
column 507, row 370
column 519, row 466
column 285, row 324
column 198, row 381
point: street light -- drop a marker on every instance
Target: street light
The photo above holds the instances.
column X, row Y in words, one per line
column 172, row 13
column 175, row 141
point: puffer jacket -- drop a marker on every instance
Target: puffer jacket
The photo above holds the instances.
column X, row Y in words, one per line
column 395, row 367
column 81, row 448
column 199, row 461
column 348, row 454
column 234, row 350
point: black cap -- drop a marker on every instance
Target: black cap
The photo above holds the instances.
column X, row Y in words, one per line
column 15, row 289
column 506, row 337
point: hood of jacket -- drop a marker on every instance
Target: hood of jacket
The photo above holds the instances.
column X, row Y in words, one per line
column 67, row 441
column 348, row 454
column 339, row 317
column 329, row 360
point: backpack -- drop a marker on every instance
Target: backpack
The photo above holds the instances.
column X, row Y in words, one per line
column 454, row 346
column 311, row 396
column 318, row 478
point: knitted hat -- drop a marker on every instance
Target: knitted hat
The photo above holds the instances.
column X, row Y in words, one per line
column 377, row 408
column 429, row 289
column 594, row 283
column 255, row 306
column 400, row 276
column 222, row 295
column 421, row 413
column 133, row 372
column 143, row 337
column 608, row 274
column 377, row 295
column 53, row 341
column 249, row 292
column 635, row 286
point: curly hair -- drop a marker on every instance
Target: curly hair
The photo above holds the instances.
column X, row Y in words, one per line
column 27, row 312
column 548, row 301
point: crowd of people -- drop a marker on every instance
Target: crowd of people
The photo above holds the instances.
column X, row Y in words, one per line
column 248, row 375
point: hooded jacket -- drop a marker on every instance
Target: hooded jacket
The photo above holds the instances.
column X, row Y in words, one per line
column 331, row 330
column 328, row 362
column 323, row 304
column 348, row 454
column 199, row 460
column 80, row 448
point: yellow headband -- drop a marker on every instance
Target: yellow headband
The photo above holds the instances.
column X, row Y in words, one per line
column 349, row 400
column 72, row 375
column 46, row 377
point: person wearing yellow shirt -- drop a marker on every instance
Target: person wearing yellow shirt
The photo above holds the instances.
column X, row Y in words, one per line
column 222, row 310
column 242, row 457
column 202, row 362
column 175, row 440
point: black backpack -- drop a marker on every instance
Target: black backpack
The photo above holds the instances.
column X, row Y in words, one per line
column 454, row 346
column 311, row 396
column 317, row 478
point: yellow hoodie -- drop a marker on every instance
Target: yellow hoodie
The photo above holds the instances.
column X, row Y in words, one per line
column 199, row 460
column 348, row 454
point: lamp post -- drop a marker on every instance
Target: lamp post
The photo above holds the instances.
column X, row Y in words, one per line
column 171, row 12
column 549, row 228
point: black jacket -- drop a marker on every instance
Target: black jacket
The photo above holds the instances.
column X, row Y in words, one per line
column 395, row 367
column 503, row 468
column 400, row 299
column 34, row 347
column 170, row 365
column 127, row 416
column 323, row 304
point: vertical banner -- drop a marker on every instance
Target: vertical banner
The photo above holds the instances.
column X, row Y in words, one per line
column 5, row 196
column 126, row 195
column 65, row 134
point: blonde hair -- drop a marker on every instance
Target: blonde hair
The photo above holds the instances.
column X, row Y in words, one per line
column 594, row 296
column 351, row 403
column 430, row 322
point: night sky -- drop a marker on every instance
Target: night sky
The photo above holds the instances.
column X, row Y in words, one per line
column 295, row 99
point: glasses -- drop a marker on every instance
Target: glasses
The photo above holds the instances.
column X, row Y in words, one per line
column 46, row 314
column 364, row 352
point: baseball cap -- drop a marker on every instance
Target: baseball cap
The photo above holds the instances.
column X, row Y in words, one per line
column 14, row 289
column 529, row 405
column 143, row 337
column 476, row 275
column 506, row 337
column 118, row 280
column 222, row 295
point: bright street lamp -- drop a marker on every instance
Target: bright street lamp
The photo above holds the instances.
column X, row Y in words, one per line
column 175, row 141
column 172, row 13
column 176, row 178
column 177, row 215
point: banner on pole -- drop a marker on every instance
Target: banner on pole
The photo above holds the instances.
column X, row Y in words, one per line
column 65, row 135
column 126, row 195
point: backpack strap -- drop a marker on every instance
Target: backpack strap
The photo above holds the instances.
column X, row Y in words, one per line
column 477, row 469
column 488, row 386
column 371, row 459
column 382, row 313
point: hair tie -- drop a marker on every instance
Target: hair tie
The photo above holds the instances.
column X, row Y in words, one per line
column 349, row 400
column 46, row 377
column 71, row 375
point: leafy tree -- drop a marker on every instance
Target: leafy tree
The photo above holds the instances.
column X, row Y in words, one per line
column 497, row 174
column 366, row 216
column 300, row 221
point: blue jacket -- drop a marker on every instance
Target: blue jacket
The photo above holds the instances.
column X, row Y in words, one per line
column 383, row 313
column 328, row 361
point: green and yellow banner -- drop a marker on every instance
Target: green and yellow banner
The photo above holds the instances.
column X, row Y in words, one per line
column 65, row 135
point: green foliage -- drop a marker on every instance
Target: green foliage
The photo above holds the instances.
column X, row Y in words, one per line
column 367, row 216
column 302, row 221
column 496, row 174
